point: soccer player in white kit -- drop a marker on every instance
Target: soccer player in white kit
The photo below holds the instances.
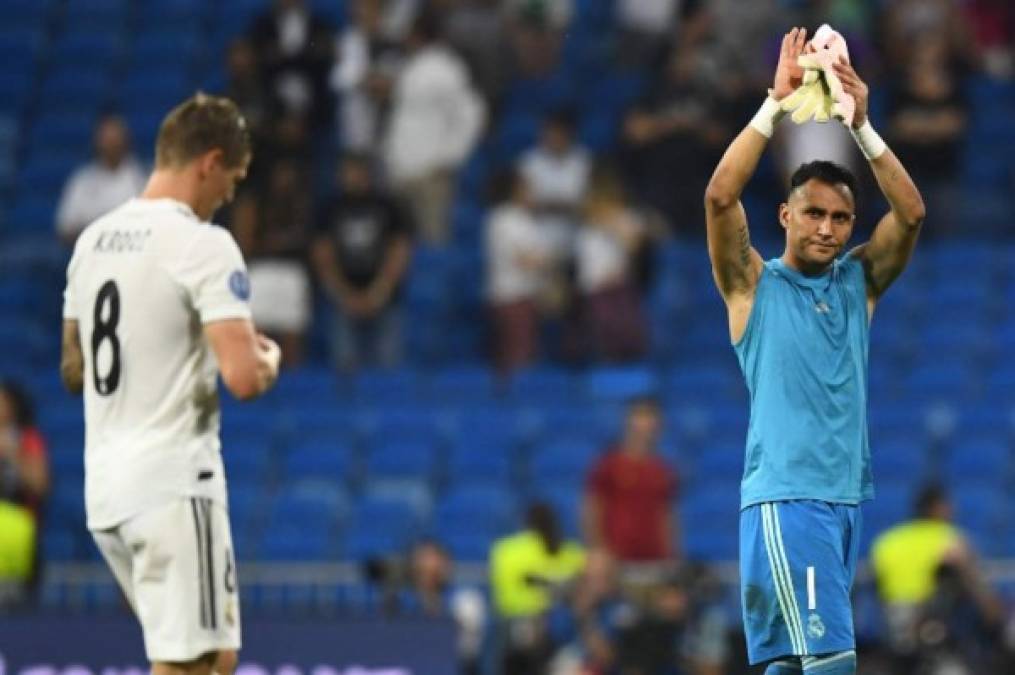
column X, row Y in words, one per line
column 154, row 309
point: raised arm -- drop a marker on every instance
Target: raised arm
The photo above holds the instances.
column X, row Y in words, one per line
column 736, row 266
column 888, row 251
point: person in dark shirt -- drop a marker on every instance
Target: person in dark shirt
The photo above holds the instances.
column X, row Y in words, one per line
column 360, row 257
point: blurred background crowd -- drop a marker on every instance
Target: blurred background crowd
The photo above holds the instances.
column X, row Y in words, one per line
column 476, row 229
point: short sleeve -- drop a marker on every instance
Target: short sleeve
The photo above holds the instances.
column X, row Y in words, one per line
column 70, row 306
column 214, row 277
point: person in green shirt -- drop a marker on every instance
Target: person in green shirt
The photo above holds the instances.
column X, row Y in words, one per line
column 529, row 571
column 908, row 561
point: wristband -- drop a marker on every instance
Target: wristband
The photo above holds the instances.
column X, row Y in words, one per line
column 868, row 140
column 767, row 116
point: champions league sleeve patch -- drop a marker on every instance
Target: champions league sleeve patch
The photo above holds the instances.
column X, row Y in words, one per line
column 239, row 284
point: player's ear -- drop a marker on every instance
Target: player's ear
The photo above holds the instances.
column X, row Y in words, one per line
column 784, row 215
column 210, row 160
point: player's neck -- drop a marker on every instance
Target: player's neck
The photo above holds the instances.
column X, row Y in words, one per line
column 176, row 185
column 807, row 269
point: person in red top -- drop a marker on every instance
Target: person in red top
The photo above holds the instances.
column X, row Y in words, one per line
column 628, row 494
column 24, row 470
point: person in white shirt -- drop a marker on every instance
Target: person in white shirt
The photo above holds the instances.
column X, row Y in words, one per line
column 613, row 319
column 517, row 265
column 557, row 171
column 436, row 119
column 155, row 307
column 113, row 177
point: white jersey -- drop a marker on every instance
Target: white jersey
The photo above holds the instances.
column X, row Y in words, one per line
column 142, row 282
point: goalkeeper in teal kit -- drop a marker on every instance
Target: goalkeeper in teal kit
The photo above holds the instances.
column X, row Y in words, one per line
column 799, row 326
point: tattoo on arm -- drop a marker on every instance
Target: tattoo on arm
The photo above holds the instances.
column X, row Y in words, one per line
column 744, row 243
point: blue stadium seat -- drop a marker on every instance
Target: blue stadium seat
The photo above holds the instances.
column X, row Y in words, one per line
column 892, row 504
column 303, row 522
column 17, row 88
column 415, row 493
column 247, row 456
column 567, row 461
column 515, row 133
column 482, row 458
column 710, row 514
column 153, row 92
column 538, row 96
column 379, row 527
column 387, row 386
column 621, row 384
column 980, row 460
column 323, row 457
column 468, row 519
column 102, row 48
column 167, row 45
column 67, row 133
column 598, row 130
column 402, row 459
column 899, row 457
column 71, row 89
column 982, row 513
column 26, row 15
column 461, row 383
column 45, row 174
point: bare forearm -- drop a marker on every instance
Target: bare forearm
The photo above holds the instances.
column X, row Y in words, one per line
column 899, row 189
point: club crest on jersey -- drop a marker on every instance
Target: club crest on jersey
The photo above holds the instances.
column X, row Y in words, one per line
column 815, row 626
column 821, row 307
column 239, row 284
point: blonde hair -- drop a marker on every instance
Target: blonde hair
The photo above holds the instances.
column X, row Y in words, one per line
column 198, row 125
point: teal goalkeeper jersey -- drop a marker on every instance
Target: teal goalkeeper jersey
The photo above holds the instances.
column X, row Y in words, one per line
column 804, row 357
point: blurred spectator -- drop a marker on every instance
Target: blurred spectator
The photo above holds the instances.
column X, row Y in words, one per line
column 993, row 24
column 630, row 491
column 430, row 570
column 273, row 229
column 645, row 26
column 436, row 118
column 517, row 265
column 612, row 238
column 671, row 138
column 537, row 30
column 361, row 256
column 295, row 50
column 246, row 88
column 112, row 178
column 599, row 612
column 907, row 23
column 732, row 38
column 24, row 483
column 529, row 572
column 362, row 76
column 935, row 597
column 478, row 31
column 928, row 116
column 557, row 172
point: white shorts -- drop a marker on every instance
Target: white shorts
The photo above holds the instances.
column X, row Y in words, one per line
column 175, row 565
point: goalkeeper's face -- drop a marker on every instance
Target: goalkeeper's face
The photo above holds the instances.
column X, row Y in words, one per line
column 818, row 219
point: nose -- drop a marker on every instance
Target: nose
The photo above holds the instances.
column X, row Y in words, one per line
column 825, row 226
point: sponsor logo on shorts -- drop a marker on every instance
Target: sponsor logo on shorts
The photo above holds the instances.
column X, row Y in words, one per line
column 815, row 627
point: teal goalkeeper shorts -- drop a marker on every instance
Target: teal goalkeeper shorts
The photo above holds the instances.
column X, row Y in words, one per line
column 797, row 562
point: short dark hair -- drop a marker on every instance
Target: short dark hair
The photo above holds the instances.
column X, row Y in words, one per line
column 643, row 401
column 929, row 497
column 826, row 172
column 198, row 125
column 22, row 408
